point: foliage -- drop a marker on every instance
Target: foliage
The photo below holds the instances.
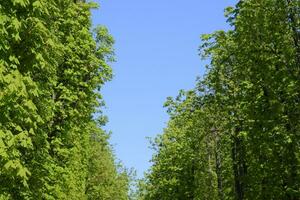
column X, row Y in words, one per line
column 236, row 136
column 52, row 67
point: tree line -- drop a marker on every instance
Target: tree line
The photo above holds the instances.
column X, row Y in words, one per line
column 236, row 135
column 52, row 67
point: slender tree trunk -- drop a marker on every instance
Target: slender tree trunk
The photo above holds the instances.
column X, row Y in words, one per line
column 219, row 171
column 239, row 166
column 218, row 163
column 291, row 160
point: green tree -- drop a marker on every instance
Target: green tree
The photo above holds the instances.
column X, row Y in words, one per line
column 245, row 136
column 52, row 67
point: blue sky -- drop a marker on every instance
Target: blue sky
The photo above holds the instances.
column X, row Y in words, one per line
column 157, row 55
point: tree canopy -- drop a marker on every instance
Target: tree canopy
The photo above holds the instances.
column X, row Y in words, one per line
column 236, row 135
column 52, row 67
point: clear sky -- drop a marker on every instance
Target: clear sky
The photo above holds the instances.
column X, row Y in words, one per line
column 157, row 55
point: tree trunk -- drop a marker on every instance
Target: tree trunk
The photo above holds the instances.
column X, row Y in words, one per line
column 239, row 166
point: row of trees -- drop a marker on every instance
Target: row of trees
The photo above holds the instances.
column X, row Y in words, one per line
column 51, row 70
column 236, row 136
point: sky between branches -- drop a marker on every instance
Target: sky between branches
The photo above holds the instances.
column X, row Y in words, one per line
column 157, row 55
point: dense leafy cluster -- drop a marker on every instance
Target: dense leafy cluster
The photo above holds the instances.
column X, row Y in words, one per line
column 236, row 136
column 51, row 70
